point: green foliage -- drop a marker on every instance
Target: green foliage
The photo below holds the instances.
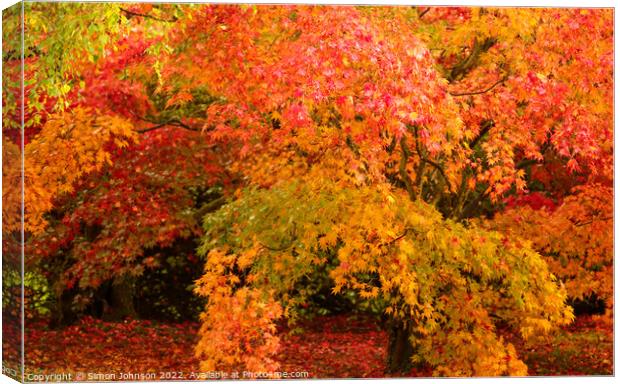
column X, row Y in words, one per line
column 61, row 37
column 37, row 294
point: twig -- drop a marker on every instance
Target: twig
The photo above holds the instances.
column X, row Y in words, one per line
column 580, row 224
column 284, row 248
column 400, row 237
column 173, row 123
column 136, row 14
column 481, row 91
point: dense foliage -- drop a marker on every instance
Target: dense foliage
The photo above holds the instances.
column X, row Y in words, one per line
column 450, row 169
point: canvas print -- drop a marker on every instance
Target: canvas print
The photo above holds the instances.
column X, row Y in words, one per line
column 242, row 191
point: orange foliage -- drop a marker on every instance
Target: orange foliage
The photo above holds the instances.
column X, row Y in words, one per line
column 69, row 146
column 576, row 239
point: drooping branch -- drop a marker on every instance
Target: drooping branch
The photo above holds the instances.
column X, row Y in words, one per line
column 153, row 128
column 284, row 247
column 440, row 170
column 526, row 163
column 211, row 206
column 275, row 249
column 405, row 232
column 161, row 124
column 430, row 162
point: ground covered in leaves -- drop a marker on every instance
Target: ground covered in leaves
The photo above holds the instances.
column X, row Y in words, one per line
column 336, row 347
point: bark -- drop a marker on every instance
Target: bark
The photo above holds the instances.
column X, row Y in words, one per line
column 400, row 349
column 63, row 313
column 120, row 299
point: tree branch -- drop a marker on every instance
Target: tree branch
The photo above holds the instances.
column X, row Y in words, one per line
column 403, row 168
column 485, row 127
column 211, row 206
column 421, row 14
column 430, row 162
column 468, row 63
column 525, row 163
column 441, row 171
column 481, row 91
column 278, row 249
column 149, row 129
column 407, row 229
column 472, row 204
column 131, row 14
column 173, row 123
column 581, row 224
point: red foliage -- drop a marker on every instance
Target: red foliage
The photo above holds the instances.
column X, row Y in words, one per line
column 329, row 347
column 142, row 200
column 536, row 200
column 105, row 87
column 96, row 346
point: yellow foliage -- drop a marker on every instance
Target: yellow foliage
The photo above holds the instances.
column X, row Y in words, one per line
column 238, row 331
column 446, row 281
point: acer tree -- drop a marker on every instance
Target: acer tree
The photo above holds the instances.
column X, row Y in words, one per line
column 101, row 154
column 378, row 132
column 567, row 159
column 400, row 155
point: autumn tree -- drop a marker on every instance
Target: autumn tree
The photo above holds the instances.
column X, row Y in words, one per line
column 540, row 77
column 459, row 142
column 102, row 151
column 364, row 105
column 363, row 147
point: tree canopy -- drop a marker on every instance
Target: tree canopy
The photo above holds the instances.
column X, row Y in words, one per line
column 450, row 167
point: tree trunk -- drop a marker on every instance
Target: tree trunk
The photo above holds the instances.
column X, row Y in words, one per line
column 120, row 304
column 400, row 349
column 63, row 313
